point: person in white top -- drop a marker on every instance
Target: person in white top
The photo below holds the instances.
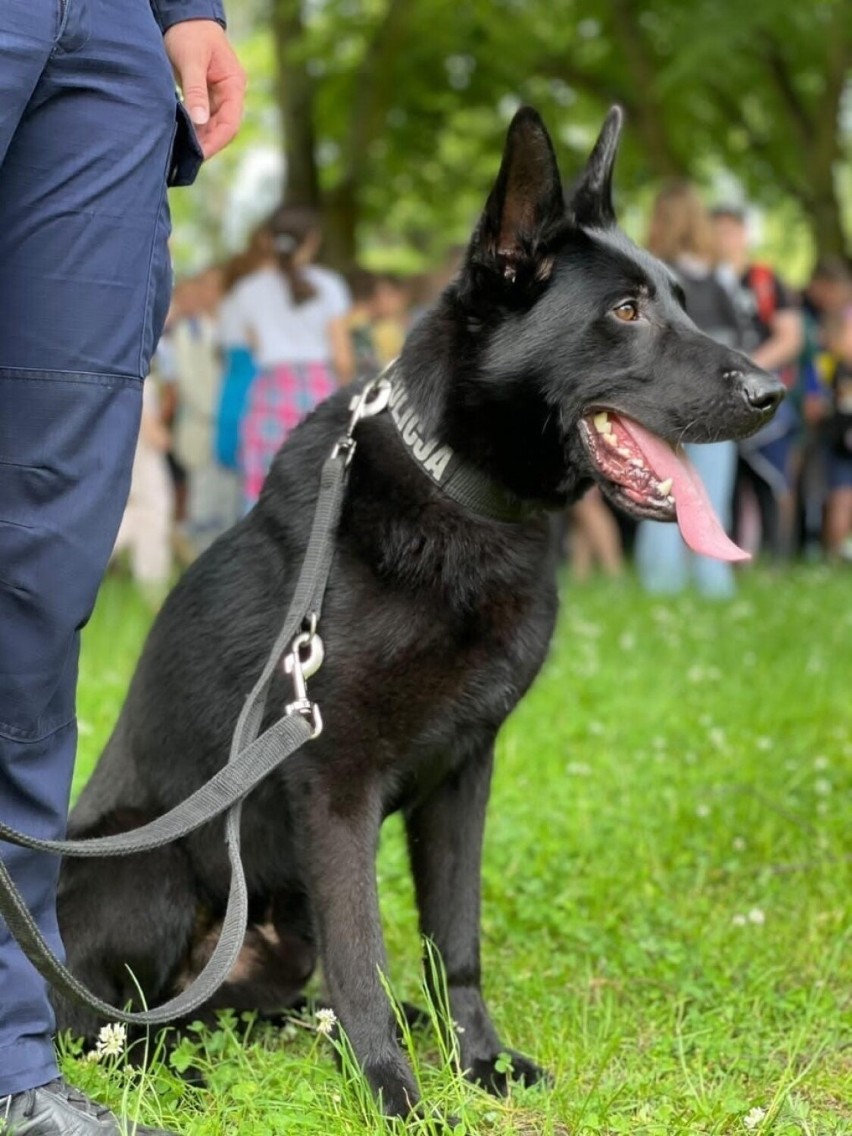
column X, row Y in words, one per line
column 295, row 315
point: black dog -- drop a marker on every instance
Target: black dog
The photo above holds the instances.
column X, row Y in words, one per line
column 535, row 369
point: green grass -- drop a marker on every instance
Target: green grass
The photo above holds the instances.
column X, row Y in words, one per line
column 667, row 885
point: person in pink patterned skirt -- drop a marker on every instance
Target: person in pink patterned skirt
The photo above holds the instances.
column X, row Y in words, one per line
column 295, row 320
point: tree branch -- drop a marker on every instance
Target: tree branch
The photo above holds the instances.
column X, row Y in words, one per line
column 786, row 88
column 735, row 117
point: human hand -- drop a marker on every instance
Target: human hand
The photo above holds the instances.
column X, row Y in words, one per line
column 211, row 79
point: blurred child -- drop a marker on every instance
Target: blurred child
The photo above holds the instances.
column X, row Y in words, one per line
column 238, row 364
column 838, row 435
column 363, row 285
column 145, row 531
column 595, row 539
column 213, row 495
column 390, row 317
column 296, row 315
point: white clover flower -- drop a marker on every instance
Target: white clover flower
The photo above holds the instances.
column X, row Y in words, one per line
column 754, row 1117
column 821, row 762
column 111, row 1040
column 756, row 917
column 822, row 786
column 739, row 844
column 93, row 1056
column 326, row 1021
column 702, row 811
column 738, row 921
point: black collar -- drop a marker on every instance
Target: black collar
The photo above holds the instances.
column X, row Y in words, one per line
column 466, row 484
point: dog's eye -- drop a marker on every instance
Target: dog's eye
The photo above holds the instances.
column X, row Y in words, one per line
column 628, row 311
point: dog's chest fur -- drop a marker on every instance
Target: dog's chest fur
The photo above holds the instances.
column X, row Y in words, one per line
column 413, row 684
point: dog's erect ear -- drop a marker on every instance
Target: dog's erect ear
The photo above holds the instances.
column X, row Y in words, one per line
column 591, row 201
column 525, row 202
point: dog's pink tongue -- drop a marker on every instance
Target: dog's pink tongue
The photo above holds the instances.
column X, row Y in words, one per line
column 696, row 518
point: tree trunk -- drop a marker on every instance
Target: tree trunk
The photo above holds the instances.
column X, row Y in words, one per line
column 817, row 127
column 295, row 94
column 829, row 236
column 341, row 214
column 647, row 110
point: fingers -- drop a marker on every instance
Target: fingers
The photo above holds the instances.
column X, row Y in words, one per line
column 226, row 107
column 193, row 81
column 211, row 79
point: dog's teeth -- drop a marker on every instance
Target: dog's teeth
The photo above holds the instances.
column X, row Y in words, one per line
column 611, row 440
column 602, row 423
column 664, row 488
column 637, row 463
column 670, row 500
column 625, row 453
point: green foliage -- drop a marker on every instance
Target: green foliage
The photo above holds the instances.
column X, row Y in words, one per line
column 409, row 100
column 666, row 917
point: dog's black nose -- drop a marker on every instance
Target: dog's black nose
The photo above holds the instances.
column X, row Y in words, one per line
column 761, row 391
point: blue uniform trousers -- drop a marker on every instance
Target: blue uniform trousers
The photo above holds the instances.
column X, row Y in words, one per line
column 90, row 130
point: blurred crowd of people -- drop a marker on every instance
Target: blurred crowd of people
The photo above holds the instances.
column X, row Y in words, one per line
column 252, row 345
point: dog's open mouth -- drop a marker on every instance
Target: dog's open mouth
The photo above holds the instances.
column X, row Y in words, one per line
column 650, row 478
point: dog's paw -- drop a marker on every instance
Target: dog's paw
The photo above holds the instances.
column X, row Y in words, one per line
column 393, row 1086
column 495, row 1073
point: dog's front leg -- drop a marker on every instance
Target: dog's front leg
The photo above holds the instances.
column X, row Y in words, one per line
column 445, row 845
column 341, row 838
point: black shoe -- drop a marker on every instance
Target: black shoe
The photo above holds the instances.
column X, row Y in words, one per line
column 56, row 1109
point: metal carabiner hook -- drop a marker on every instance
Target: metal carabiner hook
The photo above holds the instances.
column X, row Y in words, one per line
column 301, row 669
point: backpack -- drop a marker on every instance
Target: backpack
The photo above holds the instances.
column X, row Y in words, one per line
column 761, row 280
column 712, row 308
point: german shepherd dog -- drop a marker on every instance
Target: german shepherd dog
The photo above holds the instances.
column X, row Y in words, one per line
column 560, row 357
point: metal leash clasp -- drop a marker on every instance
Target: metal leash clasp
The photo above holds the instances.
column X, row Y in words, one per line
column 301, row 666
column 372, row 400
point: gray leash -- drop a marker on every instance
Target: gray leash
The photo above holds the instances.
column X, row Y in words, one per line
column 251, row 758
